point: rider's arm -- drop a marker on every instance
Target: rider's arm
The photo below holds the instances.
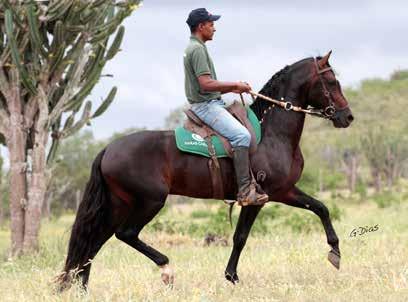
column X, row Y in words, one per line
column 209, row 84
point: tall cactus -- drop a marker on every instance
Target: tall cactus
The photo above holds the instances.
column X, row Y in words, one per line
column 52, row 56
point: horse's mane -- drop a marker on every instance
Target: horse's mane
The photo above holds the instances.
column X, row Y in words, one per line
column 272, row 88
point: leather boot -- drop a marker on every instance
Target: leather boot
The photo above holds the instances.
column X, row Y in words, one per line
column 247, row 194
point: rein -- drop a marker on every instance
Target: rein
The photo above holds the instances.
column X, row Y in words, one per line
column 288, row 106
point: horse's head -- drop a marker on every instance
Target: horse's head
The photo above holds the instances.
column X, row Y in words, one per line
column 325, row 93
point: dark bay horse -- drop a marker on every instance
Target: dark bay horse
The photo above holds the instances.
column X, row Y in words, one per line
column 132, row 176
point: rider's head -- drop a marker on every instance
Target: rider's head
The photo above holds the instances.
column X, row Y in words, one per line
column 201, row 23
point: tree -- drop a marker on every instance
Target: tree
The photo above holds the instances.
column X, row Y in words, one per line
column 52, row 55
column 386, row 152
column 70, row 171
column 350, row 166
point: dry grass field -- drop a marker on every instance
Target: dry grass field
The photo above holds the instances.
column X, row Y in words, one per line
column 280, row 265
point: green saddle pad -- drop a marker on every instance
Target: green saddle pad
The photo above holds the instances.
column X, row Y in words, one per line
column 190, row 142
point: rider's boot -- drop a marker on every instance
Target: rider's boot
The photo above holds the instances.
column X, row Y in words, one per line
column 247, row 193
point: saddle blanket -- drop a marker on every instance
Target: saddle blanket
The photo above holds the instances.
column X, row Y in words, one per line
column 190, row 142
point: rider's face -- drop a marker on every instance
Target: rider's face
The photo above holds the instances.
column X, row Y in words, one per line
column 207, row 30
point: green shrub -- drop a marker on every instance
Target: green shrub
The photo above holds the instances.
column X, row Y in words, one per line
column 270, row 211
column 309, row 182
column 305, row 222
column 332, row 181
column 200, row 214
column 385, row 199
column 219, row 222
column 164, row 225
column 399, row 75
column 361, row 188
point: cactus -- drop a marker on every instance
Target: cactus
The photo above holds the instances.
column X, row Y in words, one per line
column 115, row 47
column 106, row 103
column 52, row 56
column 34, row 30
column 15, row 54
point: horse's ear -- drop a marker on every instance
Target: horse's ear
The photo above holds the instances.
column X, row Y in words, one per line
column 323, row 61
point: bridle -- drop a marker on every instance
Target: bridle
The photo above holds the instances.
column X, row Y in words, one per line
column 327, row 113
column 330, row 110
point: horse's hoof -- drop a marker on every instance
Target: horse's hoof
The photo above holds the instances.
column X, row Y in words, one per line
column 232, row 278
column 334, row 258
column 167, row 275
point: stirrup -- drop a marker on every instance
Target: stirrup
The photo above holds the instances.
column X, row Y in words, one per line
column 247, row 198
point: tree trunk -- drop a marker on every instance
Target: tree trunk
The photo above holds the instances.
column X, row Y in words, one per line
column 377, row 181
column 38, row 181
column 16, row 143
column 353, row 173
column 350, row 169
column 47, row 205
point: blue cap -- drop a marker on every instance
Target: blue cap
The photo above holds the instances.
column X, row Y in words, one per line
column 200, row 15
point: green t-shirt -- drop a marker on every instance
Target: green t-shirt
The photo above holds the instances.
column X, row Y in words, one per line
column 197, row 62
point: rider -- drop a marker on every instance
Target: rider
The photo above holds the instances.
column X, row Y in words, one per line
column 203, row 92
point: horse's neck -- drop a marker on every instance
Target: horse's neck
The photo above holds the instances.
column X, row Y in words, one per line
column 284, row 126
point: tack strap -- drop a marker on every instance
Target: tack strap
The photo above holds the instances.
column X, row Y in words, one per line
column 288, row 106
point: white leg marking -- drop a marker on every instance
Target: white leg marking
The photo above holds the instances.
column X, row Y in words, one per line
column 167, row 274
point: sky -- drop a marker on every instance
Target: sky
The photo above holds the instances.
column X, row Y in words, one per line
column 254, row 39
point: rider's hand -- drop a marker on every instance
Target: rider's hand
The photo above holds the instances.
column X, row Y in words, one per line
column 242, row 87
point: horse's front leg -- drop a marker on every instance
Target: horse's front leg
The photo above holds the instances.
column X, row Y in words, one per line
column 245, row 222
column 296, row 198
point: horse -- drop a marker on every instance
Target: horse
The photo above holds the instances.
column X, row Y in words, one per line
column 132, row 176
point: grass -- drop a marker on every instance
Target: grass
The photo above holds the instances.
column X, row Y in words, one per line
column 282, row 264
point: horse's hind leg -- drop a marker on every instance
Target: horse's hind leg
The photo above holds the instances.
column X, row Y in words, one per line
column 84, row 274
column 119, row 210
column 144, row 211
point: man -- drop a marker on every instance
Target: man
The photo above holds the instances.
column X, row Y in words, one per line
column 203, row 92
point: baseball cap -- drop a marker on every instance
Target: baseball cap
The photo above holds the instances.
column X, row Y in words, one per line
column 200, row 15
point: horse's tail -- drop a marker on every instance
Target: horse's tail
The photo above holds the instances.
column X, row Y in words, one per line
column 91, row 225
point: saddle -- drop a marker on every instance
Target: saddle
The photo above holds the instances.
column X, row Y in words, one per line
column 197, row 126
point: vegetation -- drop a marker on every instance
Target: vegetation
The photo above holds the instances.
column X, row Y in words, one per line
column 360, row 173
column 279, row 262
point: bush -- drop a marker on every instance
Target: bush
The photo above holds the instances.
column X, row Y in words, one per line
column 361, row 188
column 309, row 182
column 332, row 181
column 200, row 214
column 385, row 199
column 399, row 75
column 305, row 222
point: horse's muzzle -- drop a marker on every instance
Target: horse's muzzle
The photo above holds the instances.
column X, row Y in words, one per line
column 342, row 118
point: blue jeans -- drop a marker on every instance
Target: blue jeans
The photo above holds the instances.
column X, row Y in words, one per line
column 214, row 114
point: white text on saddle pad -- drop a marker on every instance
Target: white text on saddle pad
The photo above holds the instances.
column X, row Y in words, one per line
column 197, row 137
